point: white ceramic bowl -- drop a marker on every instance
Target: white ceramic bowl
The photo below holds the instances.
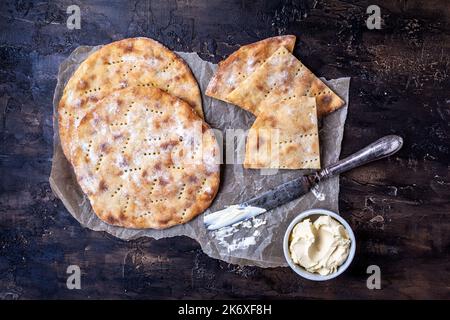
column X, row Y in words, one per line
column 313, row 214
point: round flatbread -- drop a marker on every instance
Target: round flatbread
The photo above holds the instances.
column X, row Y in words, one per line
column 145, row 159
column 129, row 62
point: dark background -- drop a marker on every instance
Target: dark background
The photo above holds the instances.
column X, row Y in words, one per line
column 399, row 207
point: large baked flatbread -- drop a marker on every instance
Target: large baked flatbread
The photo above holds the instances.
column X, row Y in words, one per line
column 243, row 62
column 285, row 136
column 129, row 62
column 282, row 76
column 145, row 159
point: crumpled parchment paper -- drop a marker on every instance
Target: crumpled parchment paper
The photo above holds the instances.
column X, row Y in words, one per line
column 255, row 242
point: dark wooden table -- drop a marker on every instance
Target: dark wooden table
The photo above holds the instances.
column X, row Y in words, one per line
column 399, row 207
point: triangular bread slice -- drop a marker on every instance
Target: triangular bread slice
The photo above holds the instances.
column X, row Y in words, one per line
column 284, row 136
column 282, row 76
column 239, row 65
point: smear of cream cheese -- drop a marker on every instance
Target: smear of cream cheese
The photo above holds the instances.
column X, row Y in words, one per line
column 237, row 236
column 317, row 193
column 231, row 215
column 320, row 246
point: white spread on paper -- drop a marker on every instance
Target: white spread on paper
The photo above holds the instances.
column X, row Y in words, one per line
column 317, row 193
column 225, row 236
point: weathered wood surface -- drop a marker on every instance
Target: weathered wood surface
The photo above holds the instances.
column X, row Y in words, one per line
column 398, row 207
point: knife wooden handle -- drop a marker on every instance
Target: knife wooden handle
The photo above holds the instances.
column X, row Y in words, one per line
column 381, row 148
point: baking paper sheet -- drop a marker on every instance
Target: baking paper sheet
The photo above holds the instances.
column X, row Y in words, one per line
column 255, row 242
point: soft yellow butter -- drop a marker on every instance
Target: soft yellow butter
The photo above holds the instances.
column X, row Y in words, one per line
column 320, row 246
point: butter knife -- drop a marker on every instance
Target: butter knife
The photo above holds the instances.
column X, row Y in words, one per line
column 294, row 189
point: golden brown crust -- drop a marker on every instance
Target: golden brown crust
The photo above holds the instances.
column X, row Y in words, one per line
column 240, row 64
column 124, row 63
column 284, row 136
column 282, row 76
column 145, row 159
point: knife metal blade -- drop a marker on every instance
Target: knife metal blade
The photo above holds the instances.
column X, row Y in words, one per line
column 269, row 200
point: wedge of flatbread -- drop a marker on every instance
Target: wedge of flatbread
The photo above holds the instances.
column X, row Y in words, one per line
column 145, row 159
column 284, row 136
column 282, row 76
column 243, row 62
column 129, row 62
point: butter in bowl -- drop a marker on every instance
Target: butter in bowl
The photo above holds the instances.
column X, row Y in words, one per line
column 319, row 245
